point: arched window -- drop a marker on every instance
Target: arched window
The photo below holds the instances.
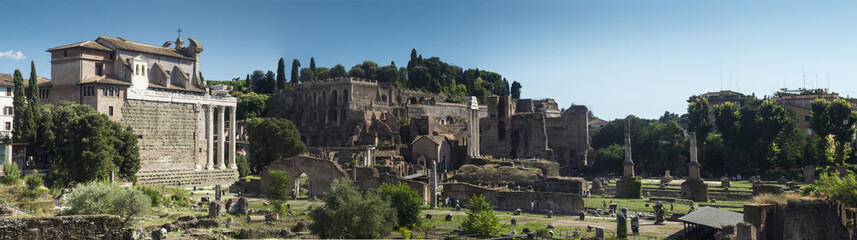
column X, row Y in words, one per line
column 144, row 70
column 333, row 98
column 323, row 99
column 345, row 96
column 137, row 71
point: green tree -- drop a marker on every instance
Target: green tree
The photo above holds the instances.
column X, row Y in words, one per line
column 104, row 198
column 480, row 218
column 312, row 67
column 251, row 105
column 516, row 90
column 307, row 75
column 33, row 97
column 405, row 200
column 272, row 139
column 842, row 121
column 351, row 215
column 11, row 174
column 295, row 66
column 278, row 192
column 322, row 73
column 21, row 121
column 88, row 146
column 247, row 82
column 338, row 71
column 698, row 111
column 357, row 71
column 281, row 74
column 243, row 166
column 609, row 159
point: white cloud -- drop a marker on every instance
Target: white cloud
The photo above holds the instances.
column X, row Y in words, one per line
column 13, row 55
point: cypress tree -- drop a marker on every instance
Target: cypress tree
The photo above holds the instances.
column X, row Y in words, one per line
column 516, row 90
column 20, row 133
column 295, row 65
column 281, row 74
column 32, row 106
column 312, row 67
column 247, row 83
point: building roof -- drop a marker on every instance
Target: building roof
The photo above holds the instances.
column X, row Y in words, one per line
column 84, row 44
column 142, row 47
column 435, row 139
column 104, row 80
column 713, row 217
column 173, row 87
column 6, row 80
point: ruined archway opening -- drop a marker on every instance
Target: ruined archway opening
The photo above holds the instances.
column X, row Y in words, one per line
column 301, row 186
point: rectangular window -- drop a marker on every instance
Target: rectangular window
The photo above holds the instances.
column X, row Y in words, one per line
column 105, row 91
column 110, row 111
column 8, row 126
column 8, row 91
column 99, row 69
column 8, row 111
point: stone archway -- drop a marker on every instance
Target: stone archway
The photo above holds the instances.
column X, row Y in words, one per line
column 320, row 173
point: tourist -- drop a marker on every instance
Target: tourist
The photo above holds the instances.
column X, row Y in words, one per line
column 532, row 206
column 604, row 202
column 446, row 202
column 671, row 207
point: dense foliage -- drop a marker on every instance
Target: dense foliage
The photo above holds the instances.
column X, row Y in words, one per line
column 405, row 200
column 842, row 189
column 251, row 105
column 278, row 192
column 272, row 139
column 657, row 146
column 243, row 165
column 349, row 214
column 88, row 145
column 480, row 218
column 104, row 198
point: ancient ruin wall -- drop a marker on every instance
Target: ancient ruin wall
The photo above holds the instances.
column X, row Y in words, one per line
column 65, row 227
column 168, row 133
column 561, row 203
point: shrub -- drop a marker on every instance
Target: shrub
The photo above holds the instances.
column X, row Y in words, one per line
column 103, row 198
column 842, row 189
column 480, row 218
column 11, row 174
column 154, row 195
column 774, row 174
column 355, row 215
column 406, row 202
column 406, row 233
column 180, row 196
column 542, row 232
column 279, row 191
column 34, row 182
column 633, row 187
column 243, row 166
column 779, row 199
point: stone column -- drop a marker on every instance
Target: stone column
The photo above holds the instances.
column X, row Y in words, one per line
column 433, row 183
column 7, row 159
column 628, row 164
column 472, row 127
column 221, row 138
column 693, row 166
column 209, row 132
column 232, row 139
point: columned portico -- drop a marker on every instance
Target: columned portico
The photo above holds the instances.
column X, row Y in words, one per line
column 232, row 139
column 221, row 137
column 209, row 132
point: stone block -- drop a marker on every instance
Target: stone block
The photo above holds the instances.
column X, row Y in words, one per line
column 240, row 207
column 695, row 189
column 746, row 231
column 216, row 209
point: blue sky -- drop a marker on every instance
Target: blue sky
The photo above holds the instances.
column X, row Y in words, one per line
column 618, row 57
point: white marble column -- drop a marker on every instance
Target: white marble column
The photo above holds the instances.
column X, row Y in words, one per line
column 209, row 132
column 232, row 139
column 221, row 138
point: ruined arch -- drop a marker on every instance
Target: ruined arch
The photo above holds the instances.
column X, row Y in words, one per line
column 331, row 116
column 345, row 96
column 323, row 98
column 320, row 173
column 501, row 130
column 333, row 98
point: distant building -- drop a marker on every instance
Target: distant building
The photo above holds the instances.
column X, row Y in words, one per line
column 596, row 124
column 717, row 98
column 7, row 91
column 799, row 101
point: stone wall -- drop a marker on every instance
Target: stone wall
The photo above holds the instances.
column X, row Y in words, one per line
column 796, row 220
column 561, row 203
column 65, row 227
column 321, row 173
column 168, row 133
column 187, row 177
column 562, row 185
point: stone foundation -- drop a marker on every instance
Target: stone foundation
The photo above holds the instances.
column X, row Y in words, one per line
column 187, row 177
column 561, row 203
column 65, row 227
column 694, row 189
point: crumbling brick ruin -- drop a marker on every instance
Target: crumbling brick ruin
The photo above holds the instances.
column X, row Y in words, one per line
column 535, row 129
column 65, row 227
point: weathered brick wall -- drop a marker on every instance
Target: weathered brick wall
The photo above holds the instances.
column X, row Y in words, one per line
column 168, row 130
column 65, row 227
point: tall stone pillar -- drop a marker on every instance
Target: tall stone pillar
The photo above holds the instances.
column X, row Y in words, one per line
column 209, row 132
column 693, row 166
column 628, row 164
column 232, row 139
column 433, row 184
column 221, row 138
column 472, row 127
